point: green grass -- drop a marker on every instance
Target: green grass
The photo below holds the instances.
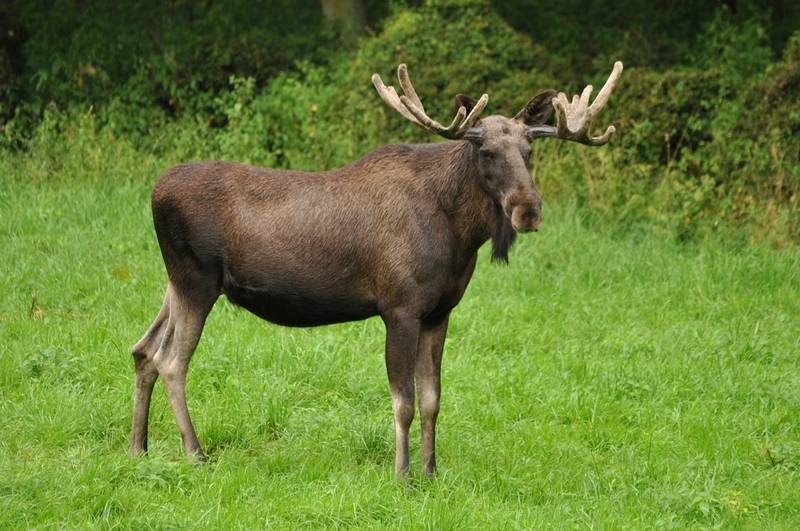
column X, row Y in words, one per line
column 597, row 382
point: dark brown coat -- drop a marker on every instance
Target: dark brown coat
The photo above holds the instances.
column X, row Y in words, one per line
column 395, row 234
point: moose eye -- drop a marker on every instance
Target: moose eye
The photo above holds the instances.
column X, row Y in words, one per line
column 486, row 154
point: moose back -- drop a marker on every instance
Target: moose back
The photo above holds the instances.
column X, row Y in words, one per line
column 394, row 234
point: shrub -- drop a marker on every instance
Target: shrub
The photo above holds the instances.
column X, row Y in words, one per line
column 708, row 146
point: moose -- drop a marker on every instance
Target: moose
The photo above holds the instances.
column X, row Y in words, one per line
column 395, row 234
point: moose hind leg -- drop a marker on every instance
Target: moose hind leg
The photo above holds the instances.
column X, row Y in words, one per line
column 401, row 344
column 187, row 317
column 427, row 375
column 146, row 375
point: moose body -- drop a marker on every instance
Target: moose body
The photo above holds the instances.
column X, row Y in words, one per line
column 373, row 234
column 395, row 234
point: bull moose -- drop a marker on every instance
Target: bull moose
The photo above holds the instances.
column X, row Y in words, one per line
column 394, row 234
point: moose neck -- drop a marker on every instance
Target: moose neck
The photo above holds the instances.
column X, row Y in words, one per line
column 476, row 217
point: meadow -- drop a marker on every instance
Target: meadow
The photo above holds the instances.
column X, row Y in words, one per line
column 612, row 380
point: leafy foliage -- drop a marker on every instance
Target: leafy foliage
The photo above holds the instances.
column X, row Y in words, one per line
column 707, row 111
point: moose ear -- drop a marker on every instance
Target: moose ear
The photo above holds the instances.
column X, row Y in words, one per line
column 462, row 100
column 538, row 110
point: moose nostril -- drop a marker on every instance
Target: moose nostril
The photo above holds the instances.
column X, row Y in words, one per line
column 531, row 213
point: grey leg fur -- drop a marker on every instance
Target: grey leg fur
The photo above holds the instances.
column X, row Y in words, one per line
column 402, row 334
column 146, row 376
column 184, row 327
column 428, row 379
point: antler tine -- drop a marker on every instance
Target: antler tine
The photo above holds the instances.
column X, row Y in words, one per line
column 470, row 120
column 585, row 95
column 390, row 97
column 421, row 118
column 410, row 107
column 408, row 88
column 459, row 118
column 575, row 118
column 602, row 96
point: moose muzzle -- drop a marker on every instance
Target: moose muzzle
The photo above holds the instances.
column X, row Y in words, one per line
column 525, row 218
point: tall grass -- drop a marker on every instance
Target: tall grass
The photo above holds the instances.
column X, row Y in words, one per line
column 612, row 381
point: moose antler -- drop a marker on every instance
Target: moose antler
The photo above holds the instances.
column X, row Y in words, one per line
column 575, row 118
column 409, row 105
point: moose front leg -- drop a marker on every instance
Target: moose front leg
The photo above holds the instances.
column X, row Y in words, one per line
column 402, row 334
column 428, row 370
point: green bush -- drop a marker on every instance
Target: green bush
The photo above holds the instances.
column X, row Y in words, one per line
column 325, row 116
column 713, row 148
column 708, row 134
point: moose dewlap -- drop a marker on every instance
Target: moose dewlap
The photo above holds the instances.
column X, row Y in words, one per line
column 394, row 234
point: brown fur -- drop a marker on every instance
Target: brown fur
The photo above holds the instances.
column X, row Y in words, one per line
column 395, row 234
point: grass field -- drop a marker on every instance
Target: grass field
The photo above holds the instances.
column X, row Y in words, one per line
column 598, row 381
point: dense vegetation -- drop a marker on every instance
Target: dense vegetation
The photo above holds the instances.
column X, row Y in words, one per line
column 598, row 381
column 606, row 378
column 708, row 110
